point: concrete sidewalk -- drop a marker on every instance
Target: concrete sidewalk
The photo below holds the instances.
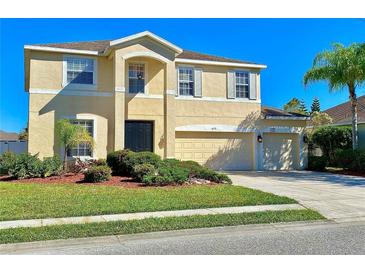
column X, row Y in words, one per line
column 144, row 215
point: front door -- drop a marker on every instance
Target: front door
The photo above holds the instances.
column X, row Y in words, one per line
column 139, row 135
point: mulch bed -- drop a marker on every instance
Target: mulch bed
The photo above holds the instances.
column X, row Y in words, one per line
column 359, row 173
column 72, row 178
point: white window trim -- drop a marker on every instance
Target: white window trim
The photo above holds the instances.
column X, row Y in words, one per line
column 146, row 91
column 82, row 117
column 66, row 85
column 178, row 81
column 235, row 84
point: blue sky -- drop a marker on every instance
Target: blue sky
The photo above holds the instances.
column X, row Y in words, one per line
column 286, row 46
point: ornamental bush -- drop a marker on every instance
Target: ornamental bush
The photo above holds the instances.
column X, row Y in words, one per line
column 96, row 174
column 116, row 161
column 6, row 162
column 135, row 158
column 317, row 163
column 26, row 166
column 141, row 170
column 351, row 159
column 331, row 138
column 51, row 166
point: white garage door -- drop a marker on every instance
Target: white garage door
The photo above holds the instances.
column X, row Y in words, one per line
column 281, row 151
column 226, row 151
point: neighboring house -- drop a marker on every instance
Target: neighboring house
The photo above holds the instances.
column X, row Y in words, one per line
column 144, row 93
column 342, row 115
column 8, row 135
column 9, row 143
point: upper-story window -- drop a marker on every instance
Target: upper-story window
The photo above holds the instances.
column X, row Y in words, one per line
column 242, row 84
column 136, row 76
column 82, row 149
column 186, row 81
column 80, row 70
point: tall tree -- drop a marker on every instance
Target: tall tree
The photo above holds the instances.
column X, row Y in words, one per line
column 316, row 106
column 295, row 105
column 302, row 108
column 70, row 136
column 342, row 67
column 292, row 105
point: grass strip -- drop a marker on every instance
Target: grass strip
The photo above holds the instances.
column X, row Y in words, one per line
column 34, row 201
column 153, row 224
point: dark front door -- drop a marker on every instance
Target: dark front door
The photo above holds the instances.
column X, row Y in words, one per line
column 139, row 135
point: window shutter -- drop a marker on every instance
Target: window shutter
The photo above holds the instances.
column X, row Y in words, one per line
column 198, row 82
column 231, row 87
column 177, row 92
column 253, row 89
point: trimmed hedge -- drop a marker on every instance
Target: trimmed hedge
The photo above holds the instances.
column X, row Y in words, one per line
column 147, row 167
column 351, row 159
column 96, row 174
column 317, row 163
column 142, row 170
column 116, row 161
column 332, row 138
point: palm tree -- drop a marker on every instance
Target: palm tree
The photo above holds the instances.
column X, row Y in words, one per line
column 70, row 136
column 341, row 67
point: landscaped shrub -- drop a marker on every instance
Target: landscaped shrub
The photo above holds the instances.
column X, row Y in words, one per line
column 331, row 138
column 141, row 170
column 26, row 166
column 116, row 161
column 317, row 163
column 97, row 174
column 351, row 159
column 7, row 160
column 136, row 158
column 98, row 162
column 51, row 166
column 209, row 174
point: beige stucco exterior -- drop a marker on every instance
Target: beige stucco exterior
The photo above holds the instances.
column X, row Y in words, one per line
column 220, row 129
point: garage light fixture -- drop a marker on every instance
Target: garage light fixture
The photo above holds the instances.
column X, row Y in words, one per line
column 259, row 138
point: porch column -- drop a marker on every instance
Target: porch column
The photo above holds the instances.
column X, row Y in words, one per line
column 169, row 109
column 119, row 101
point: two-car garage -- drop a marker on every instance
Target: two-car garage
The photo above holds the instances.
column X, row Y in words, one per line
column 218, row 150
column 239, row 151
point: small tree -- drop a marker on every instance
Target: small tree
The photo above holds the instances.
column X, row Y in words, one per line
column 70, row 136
column 316, row 106
column 320, row 119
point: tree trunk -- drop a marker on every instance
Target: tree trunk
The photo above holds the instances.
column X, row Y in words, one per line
column 65, row 160
column 353, row 101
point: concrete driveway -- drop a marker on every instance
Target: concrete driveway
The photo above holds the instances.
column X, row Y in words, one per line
column 337, row 197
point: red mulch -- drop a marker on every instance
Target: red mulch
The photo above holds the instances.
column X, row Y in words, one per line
column 359, row 173
column 72, row 178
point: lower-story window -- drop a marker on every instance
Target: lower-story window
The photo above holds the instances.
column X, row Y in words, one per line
column 82, row 149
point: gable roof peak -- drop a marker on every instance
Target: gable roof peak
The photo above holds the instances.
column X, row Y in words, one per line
column 149, row 34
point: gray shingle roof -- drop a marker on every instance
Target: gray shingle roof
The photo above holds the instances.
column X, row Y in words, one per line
column 101, row 45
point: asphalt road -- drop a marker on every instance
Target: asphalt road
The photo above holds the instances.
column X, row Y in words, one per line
column 295, row 238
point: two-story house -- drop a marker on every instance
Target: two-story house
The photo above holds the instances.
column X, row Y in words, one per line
column 144, row 93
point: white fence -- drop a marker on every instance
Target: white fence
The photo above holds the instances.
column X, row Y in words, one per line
column 15, row 146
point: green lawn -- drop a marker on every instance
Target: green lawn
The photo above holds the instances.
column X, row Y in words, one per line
column 152, row 224
column 28, row 201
